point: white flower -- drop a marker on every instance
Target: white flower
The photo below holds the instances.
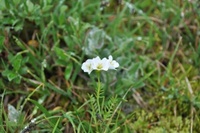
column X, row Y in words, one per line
column 99, row 64
column 87, row 66
column 112, row 63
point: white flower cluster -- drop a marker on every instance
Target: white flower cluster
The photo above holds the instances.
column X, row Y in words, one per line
column 99, row 64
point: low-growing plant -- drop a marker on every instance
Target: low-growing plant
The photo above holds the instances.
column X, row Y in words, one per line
column 43, row 46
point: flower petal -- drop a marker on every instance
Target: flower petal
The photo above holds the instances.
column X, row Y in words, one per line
column 99, row 64
column 87, row 66
column 113, row 64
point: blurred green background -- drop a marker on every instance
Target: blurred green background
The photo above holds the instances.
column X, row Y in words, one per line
column 44, row 42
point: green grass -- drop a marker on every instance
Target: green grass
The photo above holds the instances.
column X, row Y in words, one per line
column 43, row 44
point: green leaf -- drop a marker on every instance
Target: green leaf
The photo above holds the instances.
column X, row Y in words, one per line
column 2, row 5
column 68, row 70
column 7, row 3
column 56, row 126
column 56, row 89
column 16, row 61
column 25, row 60
column 60, row 62
column 19, row 43
column 60, row 53
column 69, row 115
column 2, row 38
column 16, row 2
column 47, row 114
column 47, row 8
column 30, row 5
column 43, row 109
column 12, row 75
column 17, row 79
column 62, row 16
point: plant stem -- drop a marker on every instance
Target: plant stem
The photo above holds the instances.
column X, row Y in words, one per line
column 98, row 92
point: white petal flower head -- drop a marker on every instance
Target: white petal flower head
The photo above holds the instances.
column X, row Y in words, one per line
column 112, row 63
column 99, row 64
column 87, row 66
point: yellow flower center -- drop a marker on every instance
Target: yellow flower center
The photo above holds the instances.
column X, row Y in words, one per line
column 100, row 66
column 89, row 66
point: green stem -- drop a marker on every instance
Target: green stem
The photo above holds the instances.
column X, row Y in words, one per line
column 98, row 92
column 98, row 111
